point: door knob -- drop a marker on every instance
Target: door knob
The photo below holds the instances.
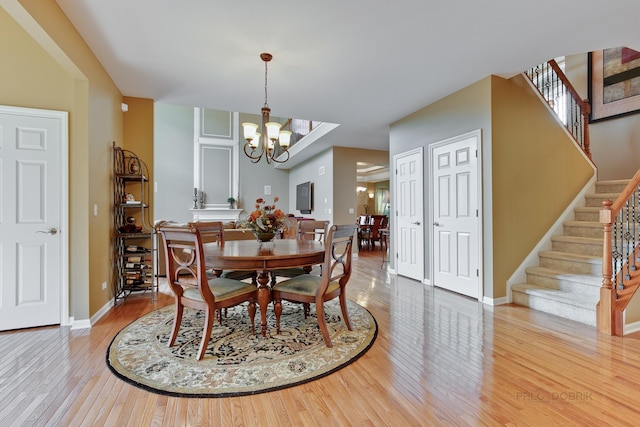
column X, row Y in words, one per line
column 52, row 231
column 437, row 224
column 416, row 223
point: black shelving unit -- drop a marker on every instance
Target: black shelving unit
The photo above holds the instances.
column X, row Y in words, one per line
column 133, row 233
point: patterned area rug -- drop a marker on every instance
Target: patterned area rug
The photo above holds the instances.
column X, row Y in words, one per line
column 237, row 362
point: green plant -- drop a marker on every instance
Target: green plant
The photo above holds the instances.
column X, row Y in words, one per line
column 231, row 200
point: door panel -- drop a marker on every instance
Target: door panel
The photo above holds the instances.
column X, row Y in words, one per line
column 455, row 229
column 31, row 242
column 409, row 215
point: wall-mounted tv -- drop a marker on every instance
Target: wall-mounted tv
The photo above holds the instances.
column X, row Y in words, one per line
column 304, row 197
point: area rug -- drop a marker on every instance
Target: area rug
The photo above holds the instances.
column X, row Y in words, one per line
column 237, row 362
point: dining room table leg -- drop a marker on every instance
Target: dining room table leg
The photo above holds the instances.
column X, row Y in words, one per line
column 264, row 298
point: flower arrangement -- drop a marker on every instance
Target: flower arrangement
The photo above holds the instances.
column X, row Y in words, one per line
column 265, row 218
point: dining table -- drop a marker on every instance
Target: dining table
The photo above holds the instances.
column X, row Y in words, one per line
column 262, row 257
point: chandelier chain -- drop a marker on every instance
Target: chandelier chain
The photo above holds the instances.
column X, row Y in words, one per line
column 265, row 84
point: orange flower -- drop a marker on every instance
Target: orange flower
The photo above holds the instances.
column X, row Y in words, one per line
column 265, row 218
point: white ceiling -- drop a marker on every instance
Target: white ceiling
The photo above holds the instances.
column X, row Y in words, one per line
column 357, row 63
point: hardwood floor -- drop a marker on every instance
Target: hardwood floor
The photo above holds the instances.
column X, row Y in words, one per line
column 439, row 359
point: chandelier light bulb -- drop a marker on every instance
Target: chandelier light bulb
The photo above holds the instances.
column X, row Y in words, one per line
column 273, row 129
column 285, row 138
column 250, row 130
column 256, row 141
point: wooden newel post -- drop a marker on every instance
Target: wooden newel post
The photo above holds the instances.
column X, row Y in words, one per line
column 605, row 310
column 606, row 219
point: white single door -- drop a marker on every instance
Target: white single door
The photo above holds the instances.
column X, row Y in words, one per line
column 455, row 229
column 32, row 211
column 409, row 234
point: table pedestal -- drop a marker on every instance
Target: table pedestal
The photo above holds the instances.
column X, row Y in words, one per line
column 264, row 298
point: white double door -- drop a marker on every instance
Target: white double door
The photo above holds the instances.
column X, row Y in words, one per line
column 33, row 235
column 456, row 231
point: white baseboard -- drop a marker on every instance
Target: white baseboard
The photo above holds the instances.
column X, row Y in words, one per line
column 630, row 328
column 80, row 324
column 495, row 301
column 86, row 323
column 104, row 310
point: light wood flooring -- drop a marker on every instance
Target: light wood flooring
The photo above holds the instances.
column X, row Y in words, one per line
column 439, row 359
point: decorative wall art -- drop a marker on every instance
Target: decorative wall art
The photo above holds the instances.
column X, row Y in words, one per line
column 614, row 83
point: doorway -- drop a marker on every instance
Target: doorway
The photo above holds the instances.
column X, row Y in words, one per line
column 33, row 217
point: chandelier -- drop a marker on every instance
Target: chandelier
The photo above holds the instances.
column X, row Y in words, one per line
column 265, row 142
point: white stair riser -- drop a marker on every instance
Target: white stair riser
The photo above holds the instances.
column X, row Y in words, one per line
column 583, row 231
column 610, row 188
column 557, row 308
column 578, row 248
column 555, row 282
column 588, row 216
column 595, row 200
column 571, row 266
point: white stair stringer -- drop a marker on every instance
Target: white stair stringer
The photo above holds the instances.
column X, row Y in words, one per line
column 568, row 277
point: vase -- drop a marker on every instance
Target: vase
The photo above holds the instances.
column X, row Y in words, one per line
column 264, row 236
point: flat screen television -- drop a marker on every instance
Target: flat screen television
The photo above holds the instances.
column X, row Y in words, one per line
column 303, row 197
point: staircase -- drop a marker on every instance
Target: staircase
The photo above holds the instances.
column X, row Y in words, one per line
column 568, row 278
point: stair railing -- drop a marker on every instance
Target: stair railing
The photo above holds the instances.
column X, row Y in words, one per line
column 620, row 274
column 555, row 88
column 299, row 128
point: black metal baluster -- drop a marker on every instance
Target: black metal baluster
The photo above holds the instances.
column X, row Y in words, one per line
column 627, row 239
column 615, row 253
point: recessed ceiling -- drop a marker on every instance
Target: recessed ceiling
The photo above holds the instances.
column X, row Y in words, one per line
column 355, row 63
column 370, row 172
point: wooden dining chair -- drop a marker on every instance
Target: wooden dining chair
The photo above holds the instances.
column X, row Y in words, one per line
column 306, row 230
column 364, row 224
column 213, row 231
column 371, row 235
column 377, row 236
column 309, row 289
column 187, row 277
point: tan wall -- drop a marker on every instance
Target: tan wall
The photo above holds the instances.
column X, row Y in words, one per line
column 138, row 135
column 55, row 69
column 345, row 196
column 536, row 170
